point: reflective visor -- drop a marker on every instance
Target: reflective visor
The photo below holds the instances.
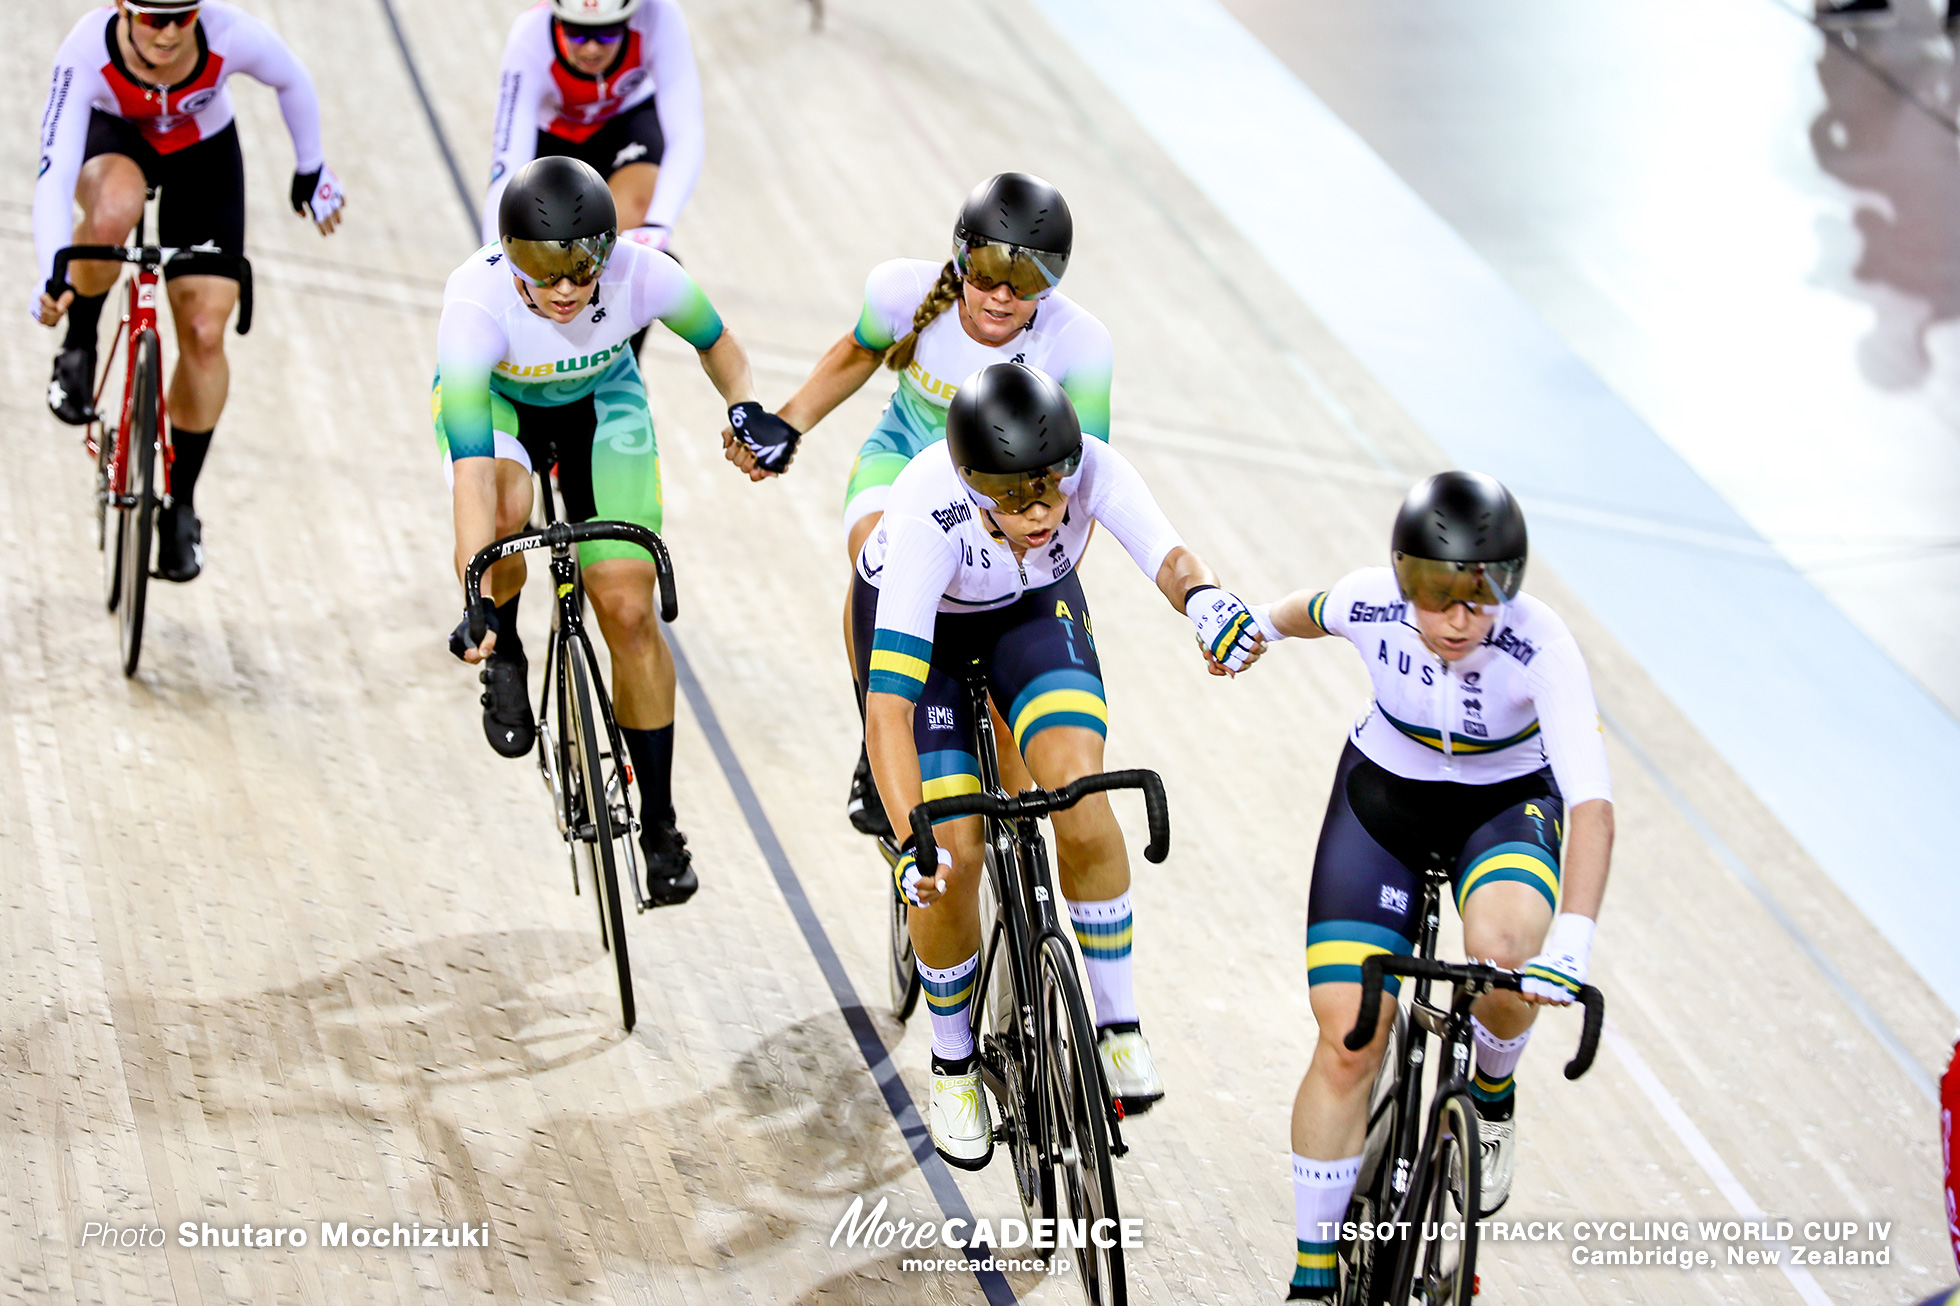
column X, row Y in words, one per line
column 548, row 262
column 1029, row 273
column 162, row 15
column 1016, row 492
column 1437, row 586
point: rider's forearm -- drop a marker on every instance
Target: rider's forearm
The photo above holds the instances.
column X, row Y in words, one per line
column 727, row 365
column 894, row 756
column 475, row 504
column 838, row 375
column 1292, row 616
column 1588, row 852
column 1180, row 571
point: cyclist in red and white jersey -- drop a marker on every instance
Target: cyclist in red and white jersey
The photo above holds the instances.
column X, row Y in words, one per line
column 611, row 83
column 139, row 98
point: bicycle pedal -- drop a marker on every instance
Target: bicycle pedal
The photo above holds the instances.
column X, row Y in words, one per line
column 1116, row 1104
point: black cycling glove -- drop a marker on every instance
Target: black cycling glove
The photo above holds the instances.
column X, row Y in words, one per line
column 459, row 638
column 762, row 433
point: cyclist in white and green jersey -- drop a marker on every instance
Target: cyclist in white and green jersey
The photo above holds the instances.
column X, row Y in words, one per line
column 535, row 368
column 1011, row 244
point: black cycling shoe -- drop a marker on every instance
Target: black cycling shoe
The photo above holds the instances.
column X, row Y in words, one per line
column 180, row 543
column 670, row 866
column 70, row 389
column 507, row 720
column 866, row 809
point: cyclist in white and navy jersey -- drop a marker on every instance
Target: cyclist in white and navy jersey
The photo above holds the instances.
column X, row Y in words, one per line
column 1482, row 748
column 535, row 367
column 975, row 558
column 140, row 98
column 993, row 301
column 611, row 83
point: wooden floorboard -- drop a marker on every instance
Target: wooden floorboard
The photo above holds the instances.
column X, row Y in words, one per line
column 285, row 943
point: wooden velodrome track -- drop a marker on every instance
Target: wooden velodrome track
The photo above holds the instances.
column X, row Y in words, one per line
column 282, row 941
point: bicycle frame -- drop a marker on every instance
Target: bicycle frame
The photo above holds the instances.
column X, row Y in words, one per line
column 567, row 585
column 1027, row 913
column 1405, row 1149
column 140, row 316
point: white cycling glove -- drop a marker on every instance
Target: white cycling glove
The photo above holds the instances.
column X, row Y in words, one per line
column 1225, row 628
column 318, row 195
column 1262, row 617
column 906, row 874
column 1559, row 972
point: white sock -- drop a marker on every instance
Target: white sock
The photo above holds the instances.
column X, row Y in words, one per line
column 1321, row 1190
column 949, row 993
column 1497, row 1061
column 1103, row 930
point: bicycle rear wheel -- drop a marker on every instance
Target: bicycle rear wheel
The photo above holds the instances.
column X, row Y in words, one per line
column 583, row 725
column 139, row 518
column 1439, row 1257
column 1076, row 1107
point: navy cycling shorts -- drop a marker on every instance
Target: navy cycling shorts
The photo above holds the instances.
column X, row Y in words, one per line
column 1381, row 830
column 1042, row 671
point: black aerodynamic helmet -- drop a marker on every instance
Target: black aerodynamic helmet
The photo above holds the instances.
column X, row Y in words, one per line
column 1014, row 228
column 1459, row 537
column 557, row 221
column 1013, row 434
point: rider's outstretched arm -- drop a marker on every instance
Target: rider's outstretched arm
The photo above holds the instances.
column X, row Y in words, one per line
column 677, row 101
column 838, row 375
column 521, row 85
column 63, row 141
column 469, row 343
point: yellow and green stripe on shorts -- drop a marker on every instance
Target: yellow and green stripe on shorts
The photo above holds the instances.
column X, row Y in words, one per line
column 1069, row 697
column 1336, row 949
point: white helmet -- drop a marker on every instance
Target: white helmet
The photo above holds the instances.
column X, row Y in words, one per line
column 593, row 13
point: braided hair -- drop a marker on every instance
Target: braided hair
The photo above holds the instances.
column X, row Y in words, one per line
column 944, row 294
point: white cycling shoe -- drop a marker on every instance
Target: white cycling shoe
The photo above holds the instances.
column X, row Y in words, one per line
column 1131, row 1074
column 957, row 1116
column 1498, row 1157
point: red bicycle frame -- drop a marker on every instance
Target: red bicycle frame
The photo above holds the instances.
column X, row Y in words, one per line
column 139, row 316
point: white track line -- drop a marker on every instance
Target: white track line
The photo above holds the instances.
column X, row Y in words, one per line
column 1710, row 1160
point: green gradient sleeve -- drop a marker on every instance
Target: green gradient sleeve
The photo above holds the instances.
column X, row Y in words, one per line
column 1087, row 386
column 468, row 347
column 871, row 331
column 693, row 318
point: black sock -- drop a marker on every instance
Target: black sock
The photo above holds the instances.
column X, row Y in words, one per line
column 510, row 644
column 84, row 315
column 191, row 447
column 653, row 766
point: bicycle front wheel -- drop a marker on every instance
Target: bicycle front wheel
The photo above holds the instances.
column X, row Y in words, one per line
column 1075, row 1105
column 903, row 974
column 1367, row 1266
column 138, row 522
column 1439, row 1258
column 583, row 725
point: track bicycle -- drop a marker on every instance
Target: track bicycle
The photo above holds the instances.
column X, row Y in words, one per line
column 128, row 445
column 1037, row 1046
column 583, row 762
column 1421, row 1172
